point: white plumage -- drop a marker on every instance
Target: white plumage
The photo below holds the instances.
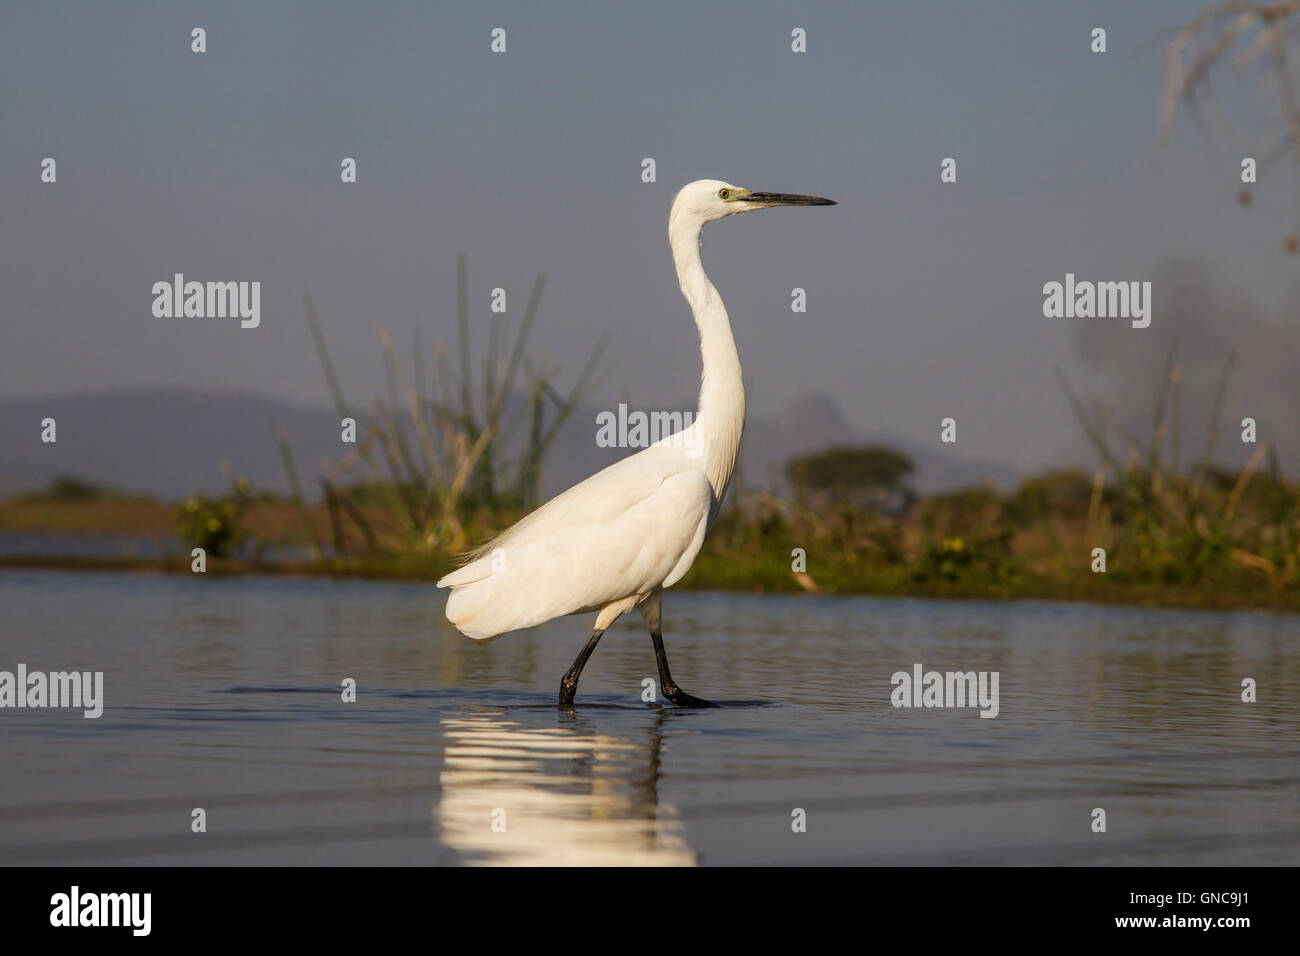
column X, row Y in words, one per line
column 618, row 538
column 621, row 533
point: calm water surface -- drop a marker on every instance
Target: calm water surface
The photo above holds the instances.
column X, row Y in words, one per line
column 225, row 694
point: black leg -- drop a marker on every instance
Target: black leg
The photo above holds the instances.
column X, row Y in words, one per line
column 666, row 683
column 569, row 684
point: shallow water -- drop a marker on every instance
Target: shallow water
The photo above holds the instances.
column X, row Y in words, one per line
column 35, row 544
column 224, row 694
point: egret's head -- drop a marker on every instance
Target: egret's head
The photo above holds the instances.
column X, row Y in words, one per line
column 708, row 199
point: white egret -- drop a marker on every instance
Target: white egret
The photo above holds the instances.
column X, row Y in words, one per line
column 616, row 540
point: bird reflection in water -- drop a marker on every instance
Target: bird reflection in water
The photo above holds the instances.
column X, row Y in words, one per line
column 553, row 794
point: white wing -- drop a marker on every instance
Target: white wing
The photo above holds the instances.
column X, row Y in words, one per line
column 636, row 525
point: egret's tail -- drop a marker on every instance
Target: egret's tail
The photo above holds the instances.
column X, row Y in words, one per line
column 541, row 580
column 487, row 600
column 468, row 602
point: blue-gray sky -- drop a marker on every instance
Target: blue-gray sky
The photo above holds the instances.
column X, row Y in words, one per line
column 924, row 299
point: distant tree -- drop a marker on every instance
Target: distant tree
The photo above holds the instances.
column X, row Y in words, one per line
column 865, row 478
column 71, row 488
column 1064, row 491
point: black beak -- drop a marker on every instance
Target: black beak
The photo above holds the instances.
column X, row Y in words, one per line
column 787, row 199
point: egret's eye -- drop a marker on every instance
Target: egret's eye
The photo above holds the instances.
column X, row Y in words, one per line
column 724, row 193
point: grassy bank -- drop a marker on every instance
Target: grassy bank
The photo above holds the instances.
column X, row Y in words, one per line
column 973, row 544
column 713, row 572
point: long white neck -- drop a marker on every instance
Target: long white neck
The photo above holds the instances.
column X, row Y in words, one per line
column 721, row 415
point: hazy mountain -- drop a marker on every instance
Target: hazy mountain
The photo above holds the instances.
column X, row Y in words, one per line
column 171, row 442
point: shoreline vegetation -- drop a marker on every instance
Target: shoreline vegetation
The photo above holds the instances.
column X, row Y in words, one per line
column 972, row 544
column 707, row 577
column 444, row 459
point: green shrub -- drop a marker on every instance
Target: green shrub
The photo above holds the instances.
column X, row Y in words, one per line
column 214, row 524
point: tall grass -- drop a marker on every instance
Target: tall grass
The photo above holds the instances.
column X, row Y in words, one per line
column 434, row 454
column 1168, row 524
